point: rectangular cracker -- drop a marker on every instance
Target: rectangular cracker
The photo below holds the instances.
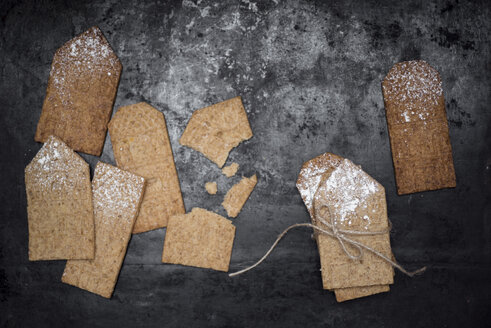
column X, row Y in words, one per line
column 237, row 196
column 215, row 130
column 59, row 204
column 356, row 202
column 308, row 181
column 200, row 238
column 117, row 195
column 141, row 146
column 81, row 89
column 418, row 128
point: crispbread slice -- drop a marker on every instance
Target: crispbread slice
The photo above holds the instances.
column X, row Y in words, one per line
column 356, row 202
column 117, row 195
column 141, row 145
column 308, row 181
column 237, row 196
column 59, row 204
column 200, row 238
column 81, row 89
column 230, row 170
column 216, row 130
column 418, row 128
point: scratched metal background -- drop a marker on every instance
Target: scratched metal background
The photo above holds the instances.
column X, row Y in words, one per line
column 310, row 76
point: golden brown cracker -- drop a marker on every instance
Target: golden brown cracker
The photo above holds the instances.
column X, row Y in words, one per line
column 346, row 294
column 216, row 130
column 59, row 204
column 117, row 195
column 141, row 145
column 200, row 238
column 355, row 201
column 418, row 128
column 81, row 89
column 230, row 170
column 237, row 196
column 211, row 187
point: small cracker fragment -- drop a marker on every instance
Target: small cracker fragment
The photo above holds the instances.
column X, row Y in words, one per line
column 59, row 204
column 418, row 128
column 216, row 130
column 117, row 195
column 237, row 196
column 357, row 202
column 308, row 181
column 230, row 170
column 141, row 146
column 211, row 187
column 80, row 95
column 200, row 238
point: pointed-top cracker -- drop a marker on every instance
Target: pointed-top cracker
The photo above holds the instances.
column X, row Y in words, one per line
column 59, row 204
column 117, row 198
column 141, row 145
column 81, row 89
column 216, row 130
column 418, row 128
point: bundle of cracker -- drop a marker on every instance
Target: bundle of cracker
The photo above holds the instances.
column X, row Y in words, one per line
column 117, row 195
column 59, row 204
column 339, row 193
column 418, row 128
column 81, row 89
column 141, row 146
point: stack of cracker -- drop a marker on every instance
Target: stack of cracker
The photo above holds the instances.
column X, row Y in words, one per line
column 334, row 188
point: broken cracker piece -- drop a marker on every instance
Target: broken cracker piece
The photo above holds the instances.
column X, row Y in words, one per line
column 211, row 187
column 141, row 146
column 200, row 238
column 346, row 294
column 80, row 95
column 59, row 204
column 216, row 130
column 418, row 128
column 117, row 195
column 237, row 196
column 230, row 170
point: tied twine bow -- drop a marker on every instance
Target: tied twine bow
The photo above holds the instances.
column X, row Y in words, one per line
column 340, row 234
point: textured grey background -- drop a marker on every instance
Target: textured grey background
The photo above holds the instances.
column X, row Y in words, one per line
column 310, row 76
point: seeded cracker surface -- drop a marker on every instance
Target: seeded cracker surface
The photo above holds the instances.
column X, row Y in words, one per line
column 59, row 204
column 81, row 89
column 418, row 128
column 141, row 146
column 117, row 195
column 216, row 130
column 200, row 238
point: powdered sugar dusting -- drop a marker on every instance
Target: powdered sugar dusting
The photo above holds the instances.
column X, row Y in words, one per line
column 56, row 167
column 413, row 87
column 345, row 191
column 116, row 193
column 312, row 176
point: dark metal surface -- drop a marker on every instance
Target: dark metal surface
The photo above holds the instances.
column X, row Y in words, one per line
column 310, row 76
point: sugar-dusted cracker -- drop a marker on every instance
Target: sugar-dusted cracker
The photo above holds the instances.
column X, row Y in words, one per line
column 308, row 181
column 81, row 89
column 59, row 204
column 117, row 195
column 141, row 145
column 230, row 170
column 200, row 238
column 211, row 187
column 355, row 201
column 237, row 196
column 216, row 130
column 418, row 128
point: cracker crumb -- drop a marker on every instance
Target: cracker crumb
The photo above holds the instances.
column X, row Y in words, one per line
column 211, row 187
column 230, row 170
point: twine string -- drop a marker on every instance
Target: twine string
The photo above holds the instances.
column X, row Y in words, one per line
column 340, row 234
